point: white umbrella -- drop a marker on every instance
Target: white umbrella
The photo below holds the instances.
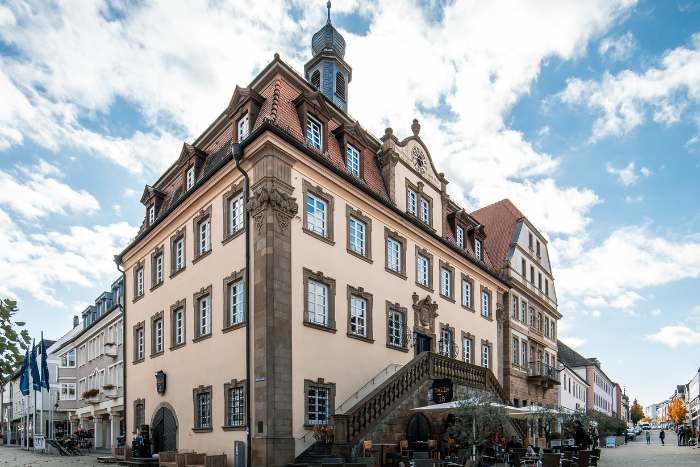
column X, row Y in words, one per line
column 451, row 407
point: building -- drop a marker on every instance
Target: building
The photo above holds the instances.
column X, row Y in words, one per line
column 601, row 389
column 694, row 401
column 91, row 358
column 573, row 391
column 359, row 261
column 625, row 411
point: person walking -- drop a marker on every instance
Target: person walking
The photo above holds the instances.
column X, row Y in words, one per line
column 648, row 437
column 662, row 436
column 581, row 438
column 680, row 432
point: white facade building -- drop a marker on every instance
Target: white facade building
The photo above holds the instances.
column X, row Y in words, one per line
column 573, row 389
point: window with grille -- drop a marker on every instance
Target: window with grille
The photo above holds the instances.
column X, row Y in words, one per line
column 236, row 303
column 485, row 310
column 539, row 321
column 515, row 307
column 204, row 316
column 159, row 269
column 523, row 311
column 357, row 236
column 467, row 294
column 316, row 79
column 358, row 316
column 340, row 85
column 318, row 303
column 425, row 211
column 316, row 214
column 139, row 415
column 353, row 160
column 151, row 215
column 546, row 327
column 317, row 400
column 313, row 133
column 515, row 351
column 139, row 344
column 243, row 127
column 467, row 355
column 396, row 331
column 423, row 271
column 393, row 251
column 236, row 407
column 412, row 202
column 524, row 353
column 204, row 410
column 485, row 356
column 180, row 254
column 446, row 341
column 551, row 329
column 446, row 282
column 158, row 335
column 190, row 178
column 204, row 236
column 477, row 249
column 460, row 237
column 139, row 282
column 179, row 327
column 532, row 317
column 236, row 213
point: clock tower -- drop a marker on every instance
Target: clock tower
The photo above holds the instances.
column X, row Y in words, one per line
column 327, row 71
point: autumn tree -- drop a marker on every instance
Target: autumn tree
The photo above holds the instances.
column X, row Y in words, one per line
column 677, row 411
column 636, row 412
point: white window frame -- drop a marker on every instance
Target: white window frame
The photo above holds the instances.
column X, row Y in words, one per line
column 357, row 235
column 516, row 350
column 190, row 178
column 485, row 354
column 424, row 210
column 204, row 236
column 393, row 251
column 523, row 352
column 485, row 299
column 68, row 387
column 423, row 266
column 139, row 282
column 551, row 329
column 236, row 213
column 139, row 344
column 159, row 269
column 514, row 312
column 66, row 357
column 446, row 282
column 179, row 319
column 316, row 215
column 314, row 401
column 523, row 311
column 180, row 254
column 477, row 249
column 460, row 237
column 412, row 202
column 158, row 335
column 151, row 215
column 466, row 293
column 314, row 132
column 204, row 410
column 396, row 324
column 353, row 161
column 318, row 303
column 235, row 310
column 358, row 316
column 467, row 346
column 204, row 309
column 243, row 127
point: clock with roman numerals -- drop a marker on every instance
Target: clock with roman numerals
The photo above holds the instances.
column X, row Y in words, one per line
column 420, row 162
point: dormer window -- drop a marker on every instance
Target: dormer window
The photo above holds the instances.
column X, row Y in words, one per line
column 243, row 127
column 190, row 178
column 151, row 215
column 477, row 249
column 353, row 161
column 313, row 133
column 460, row 237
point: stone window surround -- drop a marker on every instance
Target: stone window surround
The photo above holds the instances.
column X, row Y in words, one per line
column 179, row 305
column 139, row 266
column 159, row 251
column 470, row 337
column 467, row 278
column 487, row 343
column 396, row 307
column 235, row 190
column 523, row 302
column 367, row 297
column 234, row 384
column 450, row 329
column 427, row 255
column 137, row 402
column 235, row 277
column 487, row 291
column 176, row 237
column 154, row 318
column 515, row 340
column 141, row 326
column 394, row 235
column 321, row 384
column 204, row 214
column 197, row 392
column 204, row 292
column 357, row 214
column 319, row 192
column 447, row 266
column 420, row 195
column 517, row 307
column 319, row 277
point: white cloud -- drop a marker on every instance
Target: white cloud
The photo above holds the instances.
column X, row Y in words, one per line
column 37, row 191
column 573, row 341
column 618, row 49
column 656, row 312
column 79, row 307
column 646, row 172
column 595, row 313
column 627, row 175
column 622, row 100
column 117, row 210
column 636, row 199
column 673, row 336
column 544, row 131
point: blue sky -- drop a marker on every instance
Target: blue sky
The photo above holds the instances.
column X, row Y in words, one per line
column 584, row 113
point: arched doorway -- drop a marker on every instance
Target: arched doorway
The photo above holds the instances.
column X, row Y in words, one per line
column 418, row 429
column 164, row 429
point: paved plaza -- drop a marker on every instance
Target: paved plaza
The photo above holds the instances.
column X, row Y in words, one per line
column 14, row 456
column 639, row 453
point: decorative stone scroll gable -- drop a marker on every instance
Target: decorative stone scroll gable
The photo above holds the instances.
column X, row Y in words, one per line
column 425, row 312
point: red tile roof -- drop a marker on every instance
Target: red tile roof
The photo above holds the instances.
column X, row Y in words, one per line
column 499, row 220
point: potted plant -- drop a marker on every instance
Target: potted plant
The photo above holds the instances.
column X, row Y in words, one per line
column 476, row 420
column 324, row 433
column 92, row 396
column 111, row 349
column 110, row 391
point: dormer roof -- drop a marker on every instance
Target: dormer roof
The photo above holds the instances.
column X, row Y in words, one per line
column 149, row 192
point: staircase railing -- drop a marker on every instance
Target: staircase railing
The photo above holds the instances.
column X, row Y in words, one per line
column 365, row 415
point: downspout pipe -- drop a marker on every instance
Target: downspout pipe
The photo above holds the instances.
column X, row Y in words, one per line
column 117, row 260
column 237, row 157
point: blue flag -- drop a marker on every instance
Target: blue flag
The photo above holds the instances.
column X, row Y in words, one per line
column 24, row 375
column 44, row 367
column 36, row 379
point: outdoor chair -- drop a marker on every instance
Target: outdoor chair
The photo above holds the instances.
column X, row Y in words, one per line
column 367, row 449
column 551, row 460
column 403, row 446
column 489, row 457
column 451, row 449
column 595, row 456
column 515, row 460
column 172, row 458
column 210, row 459
column 58, row 447
column 406, row 461
column 433, row 449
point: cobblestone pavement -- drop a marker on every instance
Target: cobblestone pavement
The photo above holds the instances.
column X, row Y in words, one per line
column 12, row 456
column 639, row 453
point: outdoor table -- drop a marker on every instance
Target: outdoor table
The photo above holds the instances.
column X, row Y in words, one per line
column 531, row 460
column 381, row 446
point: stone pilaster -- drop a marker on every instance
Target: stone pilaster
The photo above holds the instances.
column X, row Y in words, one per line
column 271, row 208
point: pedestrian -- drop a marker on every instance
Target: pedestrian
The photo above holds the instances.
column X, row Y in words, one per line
column 681, row 433
column 648, row 438
column 580, row 436
column 662, row 436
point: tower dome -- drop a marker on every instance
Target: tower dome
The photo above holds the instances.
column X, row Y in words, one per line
column 328, row 38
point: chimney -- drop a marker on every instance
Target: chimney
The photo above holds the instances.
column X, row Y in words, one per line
column 76, row 321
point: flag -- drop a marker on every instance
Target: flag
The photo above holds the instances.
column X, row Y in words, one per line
column 36, row 379
column 24, row 375
column 44, row 367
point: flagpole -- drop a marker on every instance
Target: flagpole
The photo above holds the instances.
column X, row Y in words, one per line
column 43, row 351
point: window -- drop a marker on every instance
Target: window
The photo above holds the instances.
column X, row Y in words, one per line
column 151, row 215
column 532, row 274
column 467, row 346
column 202, row 408
column 139, row 344
column 318, row 215
column 551, row 329
column 523, row 311
column 353, row 161
column 139, row 341
column 359, row 233
column 319, row 402
column 394, row 255
column 68, row 359
column 340, row 85
column 235, row 405
column 529, row 241
column 477, row 249
column 320, row 300
column 523, row 346
column 538, row 248
column 235, row 303
column 467, row 291
column 357, row 236
column 485, row 356
column 204, row 316
column 532, row 317
column 313, row 133
column 358, row 316
column 411, row 202
column 514, row 312
column 157, row 334
column 397, row 332
column 422, row 271
column 177, row 324
column 67, row 391
column 524, row 270
column 177, row 252
column 445, row 282
column 236, row 213
column 485, row 304
column 202, row 232
column 546, row 287
column 190, row 178
column 243, row 127
column 539, row 322
column 539, row 280
column 318, row 303
column 447, row 339
column 515, row 350
column 460, row 237
column 139, row 281
column 159, row 269
column 316, row 79
column 139, row 414
column 424, row 211
column 546, row 327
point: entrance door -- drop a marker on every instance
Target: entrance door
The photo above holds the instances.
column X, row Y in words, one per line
column 164, row 430
column 422, row 343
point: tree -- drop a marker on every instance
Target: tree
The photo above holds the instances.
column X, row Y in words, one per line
column 636, row 412
column 475, row 419
column 677, row 411
column 13, row 344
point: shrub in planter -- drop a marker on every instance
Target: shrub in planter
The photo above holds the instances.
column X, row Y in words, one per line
column 91, row 393
column 324, row 433
column 107, row 387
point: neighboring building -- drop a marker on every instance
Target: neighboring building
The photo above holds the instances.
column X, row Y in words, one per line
column 625, row 412
column 694, row 401
column 359, row 260
column 601, row 389
column 573, row 390
column 529, row 342
column 91, row 358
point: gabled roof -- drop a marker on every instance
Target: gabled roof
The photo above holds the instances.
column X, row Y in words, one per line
column 500, row 219
column 569, row 356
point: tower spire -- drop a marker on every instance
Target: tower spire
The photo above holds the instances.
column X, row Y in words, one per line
column 329, row 12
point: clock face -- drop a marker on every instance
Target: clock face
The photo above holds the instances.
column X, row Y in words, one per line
column 420, row 162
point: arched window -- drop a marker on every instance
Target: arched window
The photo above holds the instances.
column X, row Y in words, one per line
column 316, row 79
column 340, row 85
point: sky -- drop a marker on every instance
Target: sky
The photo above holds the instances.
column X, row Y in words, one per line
column 586, row 114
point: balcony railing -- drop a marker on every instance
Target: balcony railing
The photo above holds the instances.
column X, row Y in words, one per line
column 544, row 370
